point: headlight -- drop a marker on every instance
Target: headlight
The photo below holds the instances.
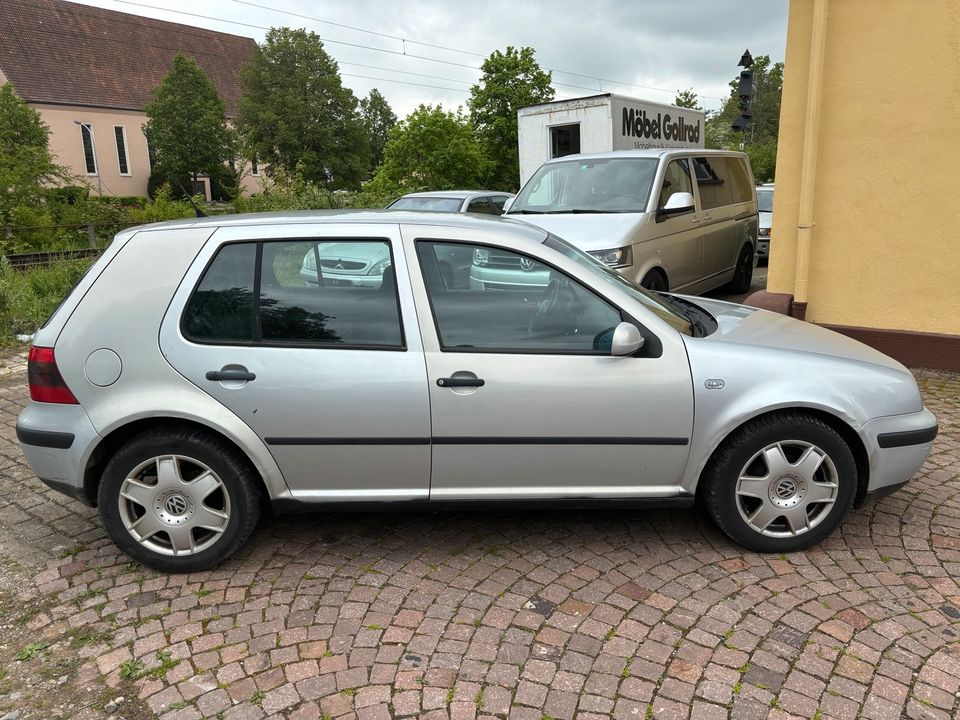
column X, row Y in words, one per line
column 763, row 232
column 617, row 258
column 481, row 256
column 379, row 267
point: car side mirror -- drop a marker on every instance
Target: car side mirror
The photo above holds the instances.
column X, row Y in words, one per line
column 506, row 205
column 626, row 340
column 679, row 202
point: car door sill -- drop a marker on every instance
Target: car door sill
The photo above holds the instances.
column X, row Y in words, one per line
column 298, row 505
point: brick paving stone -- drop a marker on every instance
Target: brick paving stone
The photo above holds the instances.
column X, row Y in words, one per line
column 519, row 615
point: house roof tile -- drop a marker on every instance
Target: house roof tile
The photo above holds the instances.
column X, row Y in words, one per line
column 65, row 53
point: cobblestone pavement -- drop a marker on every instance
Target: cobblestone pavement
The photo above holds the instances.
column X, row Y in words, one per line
column 520, row 615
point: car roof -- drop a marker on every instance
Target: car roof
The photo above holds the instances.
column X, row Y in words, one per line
column 516, row 228
column 645, row 153
column 459, row 194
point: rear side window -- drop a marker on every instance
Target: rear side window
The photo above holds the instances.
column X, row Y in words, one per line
column 327, row 294
column 741, row 185
column 221, row 308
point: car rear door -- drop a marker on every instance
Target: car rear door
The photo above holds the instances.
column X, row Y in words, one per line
column 527, row 402
column 328, row 372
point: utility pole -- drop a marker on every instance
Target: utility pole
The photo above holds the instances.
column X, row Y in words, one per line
column 745, row 93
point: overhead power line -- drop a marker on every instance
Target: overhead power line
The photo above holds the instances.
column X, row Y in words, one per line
column 600, row 80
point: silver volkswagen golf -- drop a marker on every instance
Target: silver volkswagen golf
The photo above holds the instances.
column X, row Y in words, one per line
column 195, row 375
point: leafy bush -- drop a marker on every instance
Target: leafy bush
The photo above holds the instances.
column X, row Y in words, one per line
column 286, row 193
column 27, row 297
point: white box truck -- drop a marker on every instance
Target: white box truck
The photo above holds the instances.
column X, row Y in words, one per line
column 601, row 123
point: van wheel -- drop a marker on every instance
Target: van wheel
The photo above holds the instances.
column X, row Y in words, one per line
column 654, row 281
column 743, row 272
column 178, row 500
column 781, row 483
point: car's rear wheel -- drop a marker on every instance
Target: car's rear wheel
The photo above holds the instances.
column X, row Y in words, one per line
column 743, row 272
column 178, row 500
column 781, row 483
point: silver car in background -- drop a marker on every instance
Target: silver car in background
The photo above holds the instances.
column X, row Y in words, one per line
column 232, row 383
column 765, row 207
column 482, row 202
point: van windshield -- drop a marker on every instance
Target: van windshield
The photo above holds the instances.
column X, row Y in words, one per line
column 606, row 185
column 652, row 302
column 765, row 200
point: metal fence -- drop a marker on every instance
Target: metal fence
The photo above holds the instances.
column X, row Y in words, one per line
column 35, row 259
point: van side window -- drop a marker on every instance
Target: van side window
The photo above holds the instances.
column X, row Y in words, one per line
column 740, row 181
column 675, row 179
column 712, row 182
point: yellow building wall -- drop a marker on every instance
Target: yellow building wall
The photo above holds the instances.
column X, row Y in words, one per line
column 885, row 248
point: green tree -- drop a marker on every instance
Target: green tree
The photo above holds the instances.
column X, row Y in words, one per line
column 378, row 119
column 431, row 149
column 26, row 165
column 295, row 114
column 687, row 99
column 511, row 80
column 186, row 124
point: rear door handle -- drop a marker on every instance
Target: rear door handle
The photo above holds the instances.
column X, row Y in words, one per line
column 460, row 382
column 235, row 374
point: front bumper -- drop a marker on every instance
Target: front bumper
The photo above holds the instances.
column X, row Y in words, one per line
column 56, row 441
column 897, row 446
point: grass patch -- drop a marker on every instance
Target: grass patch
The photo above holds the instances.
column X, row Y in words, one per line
column 166, row 665
column 30, row 651
column 257, row 697
column 27, row 297
column 131, row 669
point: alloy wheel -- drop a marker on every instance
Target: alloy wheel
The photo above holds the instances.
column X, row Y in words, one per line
column 787, row 488
column 174, row 505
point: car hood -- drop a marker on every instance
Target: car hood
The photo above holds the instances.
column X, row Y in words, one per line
column 589, row 231
column 763, row 329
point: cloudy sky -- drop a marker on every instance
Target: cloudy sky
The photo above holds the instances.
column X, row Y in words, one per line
column 643, row 48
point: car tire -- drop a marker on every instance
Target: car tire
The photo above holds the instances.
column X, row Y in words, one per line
column 781, row 483
column 655, row 281
column 179, row 499
column 743, row 271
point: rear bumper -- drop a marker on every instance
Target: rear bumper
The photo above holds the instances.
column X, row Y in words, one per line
column 898, row 446
column 56, row 441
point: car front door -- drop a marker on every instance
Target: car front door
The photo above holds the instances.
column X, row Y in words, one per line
column 526, row 400
column 309, row 335
column 679, row 236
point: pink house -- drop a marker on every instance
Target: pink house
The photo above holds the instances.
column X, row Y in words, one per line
column 89, row 72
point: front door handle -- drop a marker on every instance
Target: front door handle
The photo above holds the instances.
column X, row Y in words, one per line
column 231, row 373
column 460, row 382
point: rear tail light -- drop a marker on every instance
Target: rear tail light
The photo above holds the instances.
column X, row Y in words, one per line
column 46, row 384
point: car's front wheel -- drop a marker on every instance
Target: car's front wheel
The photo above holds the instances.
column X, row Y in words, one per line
column 781, row 483
column 178, row 499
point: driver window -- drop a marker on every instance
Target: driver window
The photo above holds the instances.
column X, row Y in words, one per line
column 676, row 179
column 512, row 303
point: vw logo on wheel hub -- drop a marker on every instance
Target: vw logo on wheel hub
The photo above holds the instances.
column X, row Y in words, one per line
column 175, row 505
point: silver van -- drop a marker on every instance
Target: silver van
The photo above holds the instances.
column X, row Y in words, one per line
column 679, row 220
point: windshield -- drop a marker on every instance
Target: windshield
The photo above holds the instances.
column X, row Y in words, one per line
column 608, row 185
column 765, row 200
column 441, row 204
column 652, row 302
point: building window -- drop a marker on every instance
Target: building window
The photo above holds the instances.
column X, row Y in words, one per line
column 89, row 155
column 254, row 167
column 564, row 140
column 120, row 133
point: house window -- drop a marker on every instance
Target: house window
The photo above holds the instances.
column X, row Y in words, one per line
column 89, row 155
column 121, row 135
column 254, row 167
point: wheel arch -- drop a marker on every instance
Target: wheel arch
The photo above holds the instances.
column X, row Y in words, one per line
column 847, row 433
column 122, row 434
